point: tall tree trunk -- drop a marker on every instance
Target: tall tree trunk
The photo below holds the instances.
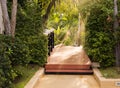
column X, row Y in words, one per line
column 5, row 17
column 116, row 25
column 52, row 3
column 13, row 17
column 1, row 21
column 78, row 31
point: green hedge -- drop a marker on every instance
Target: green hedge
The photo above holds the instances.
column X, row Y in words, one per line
column 19, row 52
column 99, row 34
column 7, row 74
column 28, row 46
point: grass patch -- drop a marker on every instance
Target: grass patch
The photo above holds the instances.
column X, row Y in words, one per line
column 110, row 72
column 27, row 72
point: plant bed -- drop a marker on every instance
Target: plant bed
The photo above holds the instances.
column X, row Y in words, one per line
column 106, row 82
column 110, row 72
column 27, row 72
column 34, row 80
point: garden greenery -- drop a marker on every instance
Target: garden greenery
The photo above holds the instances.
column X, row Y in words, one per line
column 100, row 41
column 64, row 19
column 28, row 46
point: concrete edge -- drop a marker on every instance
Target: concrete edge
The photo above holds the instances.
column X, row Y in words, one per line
column 105, row 83
column 32, row 82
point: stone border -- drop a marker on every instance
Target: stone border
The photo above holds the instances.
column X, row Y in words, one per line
column 35, row 78
column 105, row 83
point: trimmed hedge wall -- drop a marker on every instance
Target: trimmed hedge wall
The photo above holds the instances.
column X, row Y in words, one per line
column 99, row 33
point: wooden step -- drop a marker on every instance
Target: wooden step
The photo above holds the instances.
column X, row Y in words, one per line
column 66, row 67
column 70, row 71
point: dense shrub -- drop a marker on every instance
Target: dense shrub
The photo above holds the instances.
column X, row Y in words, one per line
column 33, row 44
column 7, row 74
column 99, row 34
column 20, row 53
column 38, row 49
column 28, row 46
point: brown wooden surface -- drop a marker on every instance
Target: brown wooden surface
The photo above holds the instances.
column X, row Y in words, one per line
column 68, row 59
column 66, row 66
column 70, row 71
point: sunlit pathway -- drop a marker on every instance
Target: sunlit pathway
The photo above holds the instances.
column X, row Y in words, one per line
column 68, row 59
column 67, row 81
column 64, row 56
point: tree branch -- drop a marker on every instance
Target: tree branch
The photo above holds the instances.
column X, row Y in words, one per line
column 45, row 17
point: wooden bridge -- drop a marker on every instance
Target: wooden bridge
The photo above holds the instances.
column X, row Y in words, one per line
column 68, row 59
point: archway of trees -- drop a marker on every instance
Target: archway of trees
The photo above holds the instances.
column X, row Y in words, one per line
column 22, row 23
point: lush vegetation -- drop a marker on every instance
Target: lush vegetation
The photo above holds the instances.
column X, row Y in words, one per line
column 64, row 19
column 100, row 37
column 28, row 47
column 5, row 63
column 100, row 40
column 110, row 72
column 67, row 17
column 27, row 72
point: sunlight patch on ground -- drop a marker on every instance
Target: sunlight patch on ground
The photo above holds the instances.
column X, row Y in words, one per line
column 67, row 81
